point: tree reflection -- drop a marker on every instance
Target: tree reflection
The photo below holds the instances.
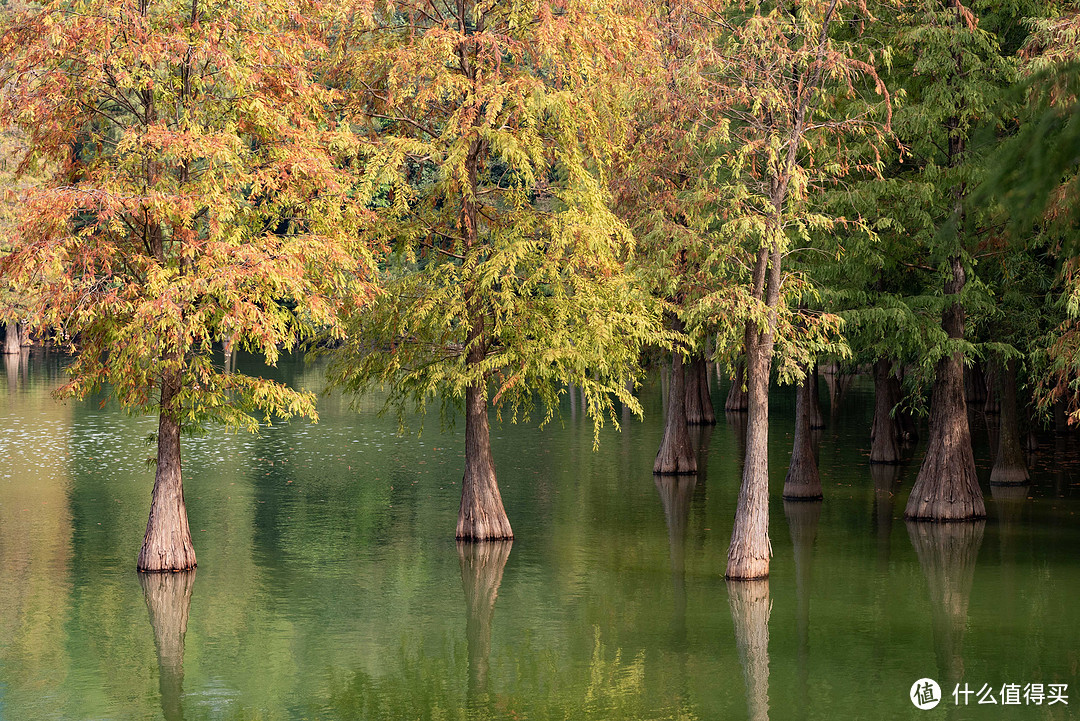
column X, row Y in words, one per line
column 750, row 609
column 482, row 567
column 947, row 553
column 802, row 518
column 885, row 477
column 168, row 598
column 676, row 493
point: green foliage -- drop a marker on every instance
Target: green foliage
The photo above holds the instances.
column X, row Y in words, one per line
column 195, row 196
column 483, row 144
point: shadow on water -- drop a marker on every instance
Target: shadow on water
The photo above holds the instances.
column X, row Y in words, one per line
column 168, row 598
column 482, row 567
column 947, row 553
column 750, row 609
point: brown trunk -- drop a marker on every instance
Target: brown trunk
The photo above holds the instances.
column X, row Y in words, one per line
column 699, row 407
column 168, row 598
column 736, row 398
column 947, row 554
column 676, row 454
column 481, row 516
column 12, row 339
column 947, row 488
column 482, row 567
column 975, row 384
column 750, row 610
column 884, row 434
column 993, row 387
column 817, row 420
column 906, row 421
column 803, row 483
column 750, row 549
column 167, row 543
column 1009, row 465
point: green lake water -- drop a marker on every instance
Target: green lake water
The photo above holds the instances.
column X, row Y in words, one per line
column 330, row 586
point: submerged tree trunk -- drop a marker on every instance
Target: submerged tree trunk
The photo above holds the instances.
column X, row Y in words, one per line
column 736, row 398
column 750, row 610
column 676, row 454
column 168, row 599
column 885, row 477
column 699, row 407
column 482, row 567
column 884, row 433
column 676, row 492
column 750, row 549
column 803, row 483
column 802, row 521
column 1009, row 465
column 947, row 488
column 12, row 338
column 481, row 516
column 167, row 542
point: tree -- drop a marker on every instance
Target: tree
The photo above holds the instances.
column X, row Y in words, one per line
column 793, row 88
column 485, row 133
column 196, row 194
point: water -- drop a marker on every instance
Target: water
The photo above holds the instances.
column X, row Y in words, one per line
column 330, row 586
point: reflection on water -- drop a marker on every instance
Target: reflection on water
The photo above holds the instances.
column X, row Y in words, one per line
column 482, row 567
column 750, row 610
column 330, row 586
column 947, row 553
column 168, row 600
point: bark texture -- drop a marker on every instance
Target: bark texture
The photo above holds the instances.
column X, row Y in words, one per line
column 482, row 567
column 750, row 610
column 736, row 398
column 168, row 598
column 699, row 406
column 884, row 433
column 947, row 554
column 817, row 420
column 481, row 516
column 1010, row 467
column 12, row 338
column 676, row 454
column 167, row 543
column 803, row 483
column 946, row 488
column 750, row 549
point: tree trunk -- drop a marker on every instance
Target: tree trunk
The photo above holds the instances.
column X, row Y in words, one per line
column 676, row 454
column 748, row 555
column 482, row 567
column 947, row 488
column 167, row 543
column 481, row 516
column 699, row 407
column 750, row 610
column 736, row 398
column 884, row 434
column 975, row 384
column 1009, row 466
column 12, row 339
column 803, row 482
column 993, row 383
column 168, row 598
column 817, row 420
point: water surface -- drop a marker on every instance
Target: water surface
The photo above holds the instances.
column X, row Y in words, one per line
column 330, row 586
